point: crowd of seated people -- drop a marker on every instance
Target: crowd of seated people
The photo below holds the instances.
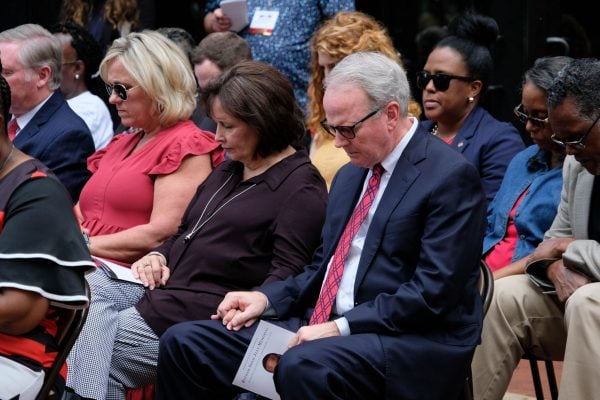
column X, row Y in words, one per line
column 212, row 202
column 142, row 181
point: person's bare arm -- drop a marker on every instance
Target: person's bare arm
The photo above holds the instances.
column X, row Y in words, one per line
column 172, row 193
column 516, row 268
column 21, row 311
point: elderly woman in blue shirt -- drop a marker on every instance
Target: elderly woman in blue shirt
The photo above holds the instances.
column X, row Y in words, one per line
column 527, row 201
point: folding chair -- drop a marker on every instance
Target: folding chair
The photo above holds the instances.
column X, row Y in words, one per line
column 70, row 323
column 535, row 375
column 486, row 291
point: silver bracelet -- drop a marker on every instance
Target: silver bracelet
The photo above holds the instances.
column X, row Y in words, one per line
column 156, row 253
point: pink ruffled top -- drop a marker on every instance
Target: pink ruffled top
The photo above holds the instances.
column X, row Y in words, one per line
column 120, row 193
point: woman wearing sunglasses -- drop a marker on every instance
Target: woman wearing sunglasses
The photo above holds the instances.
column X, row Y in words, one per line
column 142, row 181
column 457, row 73
column 246, row 225
column 346, row 33
column 527, row 200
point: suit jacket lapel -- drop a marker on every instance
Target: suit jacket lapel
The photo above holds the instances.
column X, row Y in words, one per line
column 581, row 204
column 468, row 129
column 40, row 118
column 404, row 175
column 350, row 190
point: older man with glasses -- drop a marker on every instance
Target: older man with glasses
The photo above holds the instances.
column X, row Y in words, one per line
column 552, row 312
column 43, row 125
column 391, row 293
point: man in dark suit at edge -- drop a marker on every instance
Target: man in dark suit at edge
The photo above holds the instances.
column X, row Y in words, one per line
column 43, row 125
column 402, row 235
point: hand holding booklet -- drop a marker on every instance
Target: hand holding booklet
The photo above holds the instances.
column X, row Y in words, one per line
column 237, row 11
column 269, row 342
column 115, row 271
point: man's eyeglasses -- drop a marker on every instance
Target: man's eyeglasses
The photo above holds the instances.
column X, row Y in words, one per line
column 347, row 131
column 440, row 81
column 578, row 144
column 120, row 90
column 539, row 122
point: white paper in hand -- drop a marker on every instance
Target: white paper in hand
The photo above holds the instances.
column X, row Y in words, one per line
column 237, row 11
column 269, row 341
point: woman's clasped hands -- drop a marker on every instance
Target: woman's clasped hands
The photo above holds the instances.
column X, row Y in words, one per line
column 151, row 270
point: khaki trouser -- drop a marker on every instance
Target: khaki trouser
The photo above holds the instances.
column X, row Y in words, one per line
column 521, row 319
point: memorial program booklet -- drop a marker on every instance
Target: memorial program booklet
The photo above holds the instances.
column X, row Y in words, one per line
column 268, row 341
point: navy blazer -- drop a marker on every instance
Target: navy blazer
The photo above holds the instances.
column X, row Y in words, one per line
column 61, row 140
column 418, row 271
column 488, row 144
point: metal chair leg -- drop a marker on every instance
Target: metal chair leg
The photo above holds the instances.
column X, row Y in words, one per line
column 535, row 375
column 551, row 379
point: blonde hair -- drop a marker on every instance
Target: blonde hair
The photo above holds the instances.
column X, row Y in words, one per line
column 161, row 68
column 347, row 32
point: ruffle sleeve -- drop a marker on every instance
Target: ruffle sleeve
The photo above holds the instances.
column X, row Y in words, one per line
column 41, row 247
column 194, row 142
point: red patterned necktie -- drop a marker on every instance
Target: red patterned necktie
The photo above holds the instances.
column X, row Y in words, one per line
column 334, row 275
column 12, row 129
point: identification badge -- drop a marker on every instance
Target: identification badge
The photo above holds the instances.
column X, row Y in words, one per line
column 263, row 22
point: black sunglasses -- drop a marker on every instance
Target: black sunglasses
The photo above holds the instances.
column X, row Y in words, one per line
column 539, row 122
column 578, row 144
column 440, row 80
column 120, row 89
column 347, row 131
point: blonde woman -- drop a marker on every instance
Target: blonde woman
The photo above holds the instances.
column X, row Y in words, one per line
column 346, row 33
column 141, row 182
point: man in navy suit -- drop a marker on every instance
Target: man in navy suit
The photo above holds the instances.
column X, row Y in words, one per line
column 407, row 315
column 44, row 125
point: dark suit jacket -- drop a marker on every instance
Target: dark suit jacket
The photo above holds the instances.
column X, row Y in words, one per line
column 418, row 269
column 489, row 145
column 61, row 140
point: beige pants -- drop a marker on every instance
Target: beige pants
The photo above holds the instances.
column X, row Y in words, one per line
column 521, row 319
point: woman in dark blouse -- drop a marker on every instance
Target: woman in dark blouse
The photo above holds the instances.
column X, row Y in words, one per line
column 247, row 224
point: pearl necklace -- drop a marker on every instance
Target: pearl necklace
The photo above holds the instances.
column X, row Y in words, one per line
column 8, row 157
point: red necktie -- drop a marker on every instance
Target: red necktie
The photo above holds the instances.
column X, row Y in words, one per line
column 12, row 129
column 336, row 270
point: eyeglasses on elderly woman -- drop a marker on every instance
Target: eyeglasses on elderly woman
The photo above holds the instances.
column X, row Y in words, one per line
column 440, row 80
column 538, row 122
column 120, row 90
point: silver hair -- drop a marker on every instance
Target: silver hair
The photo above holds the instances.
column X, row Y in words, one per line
column 382, row 79
column 38, row 48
